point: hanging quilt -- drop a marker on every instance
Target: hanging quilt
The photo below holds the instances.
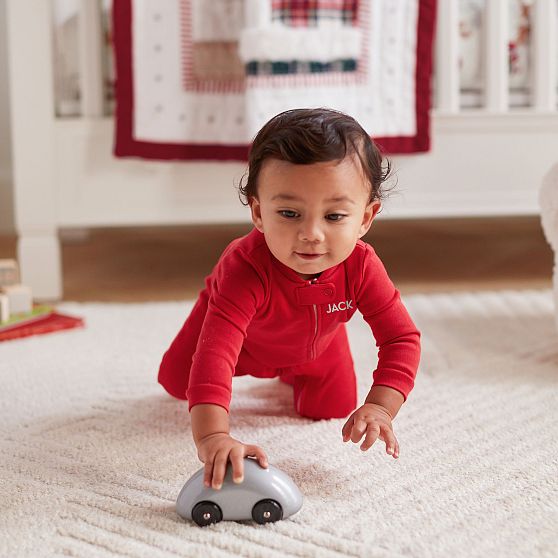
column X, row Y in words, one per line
column 196, row 79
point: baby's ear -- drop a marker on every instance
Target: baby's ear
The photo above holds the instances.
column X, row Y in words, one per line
column 256, row 210
column 370, row 212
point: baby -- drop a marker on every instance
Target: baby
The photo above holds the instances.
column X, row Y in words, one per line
column 277, row 301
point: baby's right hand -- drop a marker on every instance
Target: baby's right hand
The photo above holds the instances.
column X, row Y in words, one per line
column 215, row 450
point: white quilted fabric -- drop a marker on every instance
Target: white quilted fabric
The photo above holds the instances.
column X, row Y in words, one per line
column 382, row 99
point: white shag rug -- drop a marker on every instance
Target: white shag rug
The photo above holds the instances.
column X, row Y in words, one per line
column 93, row 453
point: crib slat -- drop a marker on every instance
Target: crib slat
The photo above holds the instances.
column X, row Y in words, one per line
column 447, row 57
column 545, row 45
column 90, row 58
column 496, row 56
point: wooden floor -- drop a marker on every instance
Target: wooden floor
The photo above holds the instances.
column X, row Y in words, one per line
column 148, row 264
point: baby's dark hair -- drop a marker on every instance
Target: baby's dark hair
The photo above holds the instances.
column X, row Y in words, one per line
column 306, row 136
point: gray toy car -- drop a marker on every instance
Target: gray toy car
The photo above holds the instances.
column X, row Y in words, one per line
column 265, row 495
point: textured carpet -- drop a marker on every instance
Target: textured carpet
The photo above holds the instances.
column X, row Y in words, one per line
column 93, row 453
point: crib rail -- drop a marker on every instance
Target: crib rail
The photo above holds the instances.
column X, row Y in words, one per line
column 91, row 67
column 546, row 53
column 446, row 60
column 495, row 52
column 83, row 83
column 64, row 175
column 496, row 56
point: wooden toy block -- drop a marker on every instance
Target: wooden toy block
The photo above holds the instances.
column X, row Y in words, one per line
column 20, row 298
column 4, row 308
column 9, row 273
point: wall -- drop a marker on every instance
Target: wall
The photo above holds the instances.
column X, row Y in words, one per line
column 6, row 197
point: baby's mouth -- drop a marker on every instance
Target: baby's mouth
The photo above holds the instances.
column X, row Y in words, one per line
column 308, row 256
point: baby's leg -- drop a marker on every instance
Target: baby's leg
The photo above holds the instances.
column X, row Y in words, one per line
column 326, row 387
column 174, row 371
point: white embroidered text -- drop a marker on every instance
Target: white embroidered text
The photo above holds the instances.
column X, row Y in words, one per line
column 346, row 305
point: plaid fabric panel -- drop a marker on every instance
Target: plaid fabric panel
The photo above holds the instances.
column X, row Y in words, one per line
column 307, row 13
column 219, row 61
column 211, row 63
column 268, row 68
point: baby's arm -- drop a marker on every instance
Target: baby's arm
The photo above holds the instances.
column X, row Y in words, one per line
column 398, row 340
column 210, row 429
column 236, row 291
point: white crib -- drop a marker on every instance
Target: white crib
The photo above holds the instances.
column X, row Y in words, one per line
column 484, row 161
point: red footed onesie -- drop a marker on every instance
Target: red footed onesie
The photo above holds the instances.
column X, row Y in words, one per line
column 257, row 316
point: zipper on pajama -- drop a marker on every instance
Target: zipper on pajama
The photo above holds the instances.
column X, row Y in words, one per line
column 312, row 346
column 312, row 351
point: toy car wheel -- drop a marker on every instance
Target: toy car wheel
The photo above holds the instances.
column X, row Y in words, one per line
column 267, row 511
column 206, row 513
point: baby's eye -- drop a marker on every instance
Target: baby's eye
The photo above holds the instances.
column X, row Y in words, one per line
column 289, row 214
column 335, row 216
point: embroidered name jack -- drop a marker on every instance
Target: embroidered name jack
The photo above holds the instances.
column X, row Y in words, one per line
column 344, row 305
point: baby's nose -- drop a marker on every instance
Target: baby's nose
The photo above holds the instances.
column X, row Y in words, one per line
column 311, row 232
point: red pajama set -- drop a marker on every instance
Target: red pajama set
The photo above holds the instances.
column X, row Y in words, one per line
column 257, row 316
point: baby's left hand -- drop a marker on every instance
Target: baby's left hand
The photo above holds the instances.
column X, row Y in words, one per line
column 375, row 421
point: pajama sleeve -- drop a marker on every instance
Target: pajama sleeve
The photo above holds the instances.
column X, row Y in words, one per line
column 237, row 290
column 397, row 337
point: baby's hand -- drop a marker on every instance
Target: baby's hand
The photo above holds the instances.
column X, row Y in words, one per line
column 217, row 449
column 375, row 421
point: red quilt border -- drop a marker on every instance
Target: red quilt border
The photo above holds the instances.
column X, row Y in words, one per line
column 126, row 146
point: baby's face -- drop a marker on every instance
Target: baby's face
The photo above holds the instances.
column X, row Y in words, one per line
column 312, row 215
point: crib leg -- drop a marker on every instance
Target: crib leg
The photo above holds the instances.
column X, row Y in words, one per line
column 41, row 264
column 33, row 145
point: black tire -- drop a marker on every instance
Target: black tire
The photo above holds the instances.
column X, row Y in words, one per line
column 267, row 511
column 206, row 513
